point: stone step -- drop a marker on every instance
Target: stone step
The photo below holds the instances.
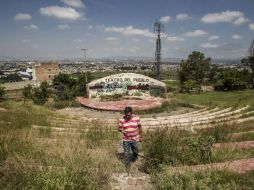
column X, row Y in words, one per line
column 195, row 119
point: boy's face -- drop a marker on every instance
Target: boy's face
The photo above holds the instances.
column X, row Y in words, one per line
column 128, row 115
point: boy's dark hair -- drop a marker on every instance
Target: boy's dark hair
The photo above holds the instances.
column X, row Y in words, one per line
column 127, row 110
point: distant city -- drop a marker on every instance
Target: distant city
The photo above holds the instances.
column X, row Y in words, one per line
column 23, row 67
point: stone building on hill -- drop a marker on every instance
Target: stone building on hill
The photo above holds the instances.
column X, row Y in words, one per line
column 45, row 71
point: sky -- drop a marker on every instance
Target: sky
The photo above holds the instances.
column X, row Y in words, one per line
column 221, row 29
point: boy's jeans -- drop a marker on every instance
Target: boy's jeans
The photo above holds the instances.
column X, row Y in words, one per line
column 127, row 146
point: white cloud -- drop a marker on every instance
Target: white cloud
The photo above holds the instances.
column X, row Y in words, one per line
column 237, row 37
column 129, row 30
column 63, row 26
column 74, row 3
column 209, row 45
column 26, row 41
column 165, row 19
column 214, row 37
column 78, row 40
column 23, row 16
column 67, row 13
column 175, row 39
column 90, row 27
column 111, row 39
column 32, row 27
column 100, row 26
column 235, row 17
column 183, row 16
column 134, row 49
column 240, row 21
column 196, row 33
column 251, row 26
column 135, row 40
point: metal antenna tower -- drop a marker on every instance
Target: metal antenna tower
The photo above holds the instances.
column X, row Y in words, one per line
column 84, row 50
column 158, row 28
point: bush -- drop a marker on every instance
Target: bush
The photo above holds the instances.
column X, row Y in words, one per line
column 231, row 79
column 164, row 147
column 61, row 104
column 41, row 94
column 114, row 97
column 98, row 135
column 2, row 93
column 190, row 85
column 27, row 92
column 207, row 180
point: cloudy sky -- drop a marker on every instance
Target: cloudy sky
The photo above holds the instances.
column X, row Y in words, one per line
column 60, row 28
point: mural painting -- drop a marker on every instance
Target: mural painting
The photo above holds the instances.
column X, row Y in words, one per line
column 124, row 83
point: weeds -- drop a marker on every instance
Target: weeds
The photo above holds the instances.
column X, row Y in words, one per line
column 206, row 180
column 165, row 107
column 174, row 148
column 96, row 136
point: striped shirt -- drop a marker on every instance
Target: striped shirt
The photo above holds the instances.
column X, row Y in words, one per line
column 130, row 128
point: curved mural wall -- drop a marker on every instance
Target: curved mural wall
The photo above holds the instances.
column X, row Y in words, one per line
column 125, row 83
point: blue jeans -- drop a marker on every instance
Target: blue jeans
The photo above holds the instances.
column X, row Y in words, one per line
column 127, row 146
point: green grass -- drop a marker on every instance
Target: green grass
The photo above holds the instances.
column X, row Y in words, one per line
column 246, row 137
column 228, row 154
column 221, row 99
column 206, row 180
column 177, row 148
column 165, row 107
column 223, row 133
column 43, row 159
column 20, row 115
column 96, row 137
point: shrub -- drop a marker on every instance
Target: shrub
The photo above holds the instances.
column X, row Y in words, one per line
column 2, row 93
column 207, row 180
column 98, row 135
column 41, row 94
column 27, row 92
column 164, row 147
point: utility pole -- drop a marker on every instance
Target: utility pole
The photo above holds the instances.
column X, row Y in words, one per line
column 158, row 28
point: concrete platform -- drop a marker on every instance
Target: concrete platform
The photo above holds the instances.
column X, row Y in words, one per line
column 120, row 105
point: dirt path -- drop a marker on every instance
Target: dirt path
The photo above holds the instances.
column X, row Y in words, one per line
column 238, row 166
column 235, row 145
column 3, row 110
column 238, row 135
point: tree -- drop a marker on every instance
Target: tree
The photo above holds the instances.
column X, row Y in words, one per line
column 195, row 68
column 249, row 61
column 65, row 86
column 41, row 94
column 12, row 78
column 27, row 92
column 231, row 79
column 2, row 93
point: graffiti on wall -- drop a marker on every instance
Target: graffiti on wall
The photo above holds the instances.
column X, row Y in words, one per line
column 121, row 84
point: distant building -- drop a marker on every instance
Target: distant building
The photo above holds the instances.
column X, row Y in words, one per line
column 26, row 73
column 45, row 71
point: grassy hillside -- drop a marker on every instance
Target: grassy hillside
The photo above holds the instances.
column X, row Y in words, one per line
column 44, row 159
column 221, row 99
column 85, row 158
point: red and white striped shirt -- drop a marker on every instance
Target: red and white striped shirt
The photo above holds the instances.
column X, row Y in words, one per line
column 130, row 128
